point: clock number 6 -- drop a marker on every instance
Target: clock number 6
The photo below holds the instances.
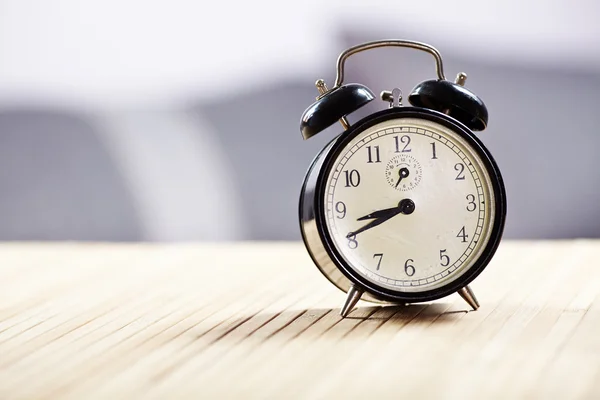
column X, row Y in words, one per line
column 409, row 268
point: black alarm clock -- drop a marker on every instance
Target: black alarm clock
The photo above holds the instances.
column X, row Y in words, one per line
column 406, row 205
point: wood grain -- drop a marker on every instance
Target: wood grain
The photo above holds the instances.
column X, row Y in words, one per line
column 257, row 320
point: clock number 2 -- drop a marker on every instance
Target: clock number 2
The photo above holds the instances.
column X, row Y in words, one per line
column 460, row 167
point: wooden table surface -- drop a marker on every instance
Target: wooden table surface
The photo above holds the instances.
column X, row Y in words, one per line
column 257, row 320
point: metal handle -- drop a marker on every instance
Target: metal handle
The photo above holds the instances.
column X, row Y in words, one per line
column 388, row 43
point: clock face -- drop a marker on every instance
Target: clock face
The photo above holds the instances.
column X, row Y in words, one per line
column 409, row 205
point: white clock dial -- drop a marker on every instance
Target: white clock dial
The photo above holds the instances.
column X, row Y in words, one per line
column 433, row 167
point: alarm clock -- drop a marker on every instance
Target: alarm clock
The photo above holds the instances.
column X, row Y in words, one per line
column 405, row 205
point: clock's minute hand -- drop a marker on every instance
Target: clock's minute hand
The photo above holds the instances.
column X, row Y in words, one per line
column 405, row 206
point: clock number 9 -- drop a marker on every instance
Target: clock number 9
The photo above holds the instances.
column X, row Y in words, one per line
column 409, row 268
column 340, row 207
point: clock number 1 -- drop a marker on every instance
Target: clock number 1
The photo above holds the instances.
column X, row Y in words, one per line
column 434, row 157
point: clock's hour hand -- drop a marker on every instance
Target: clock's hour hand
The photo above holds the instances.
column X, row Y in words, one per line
column 405, row 206
column 378, row 213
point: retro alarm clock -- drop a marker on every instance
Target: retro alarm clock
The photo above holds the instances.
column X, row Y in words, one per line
column 405, row 205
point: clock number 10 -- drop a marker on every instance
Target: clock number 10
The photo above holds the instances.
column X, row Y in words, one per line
column 352, row 178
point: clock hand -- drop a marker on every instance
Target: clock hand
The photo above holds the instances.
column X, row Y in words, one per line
column 403, row 172
column 406, row 206
column 378, row 213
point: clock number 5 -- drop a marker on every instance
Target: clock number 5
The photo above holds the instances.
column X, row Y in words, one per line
column 409, row 268
column 445, row 260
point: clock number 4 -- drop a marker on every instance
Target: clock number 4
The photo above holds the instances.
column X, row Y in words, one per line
column 462, row 235
column 352, row 178
column 405, row 140
column 370, row 151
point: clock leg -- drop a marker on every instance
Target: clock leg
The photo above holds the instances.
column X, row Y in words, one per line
column 353, row 298
column 467, row 294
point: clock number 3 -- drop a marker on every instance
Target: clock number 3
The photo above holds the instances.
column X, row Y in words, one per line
column 471, row 199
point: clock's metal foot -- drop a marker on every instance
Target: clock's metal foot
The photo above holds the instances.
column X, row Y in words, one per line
column 353, row 298
column 467, row 294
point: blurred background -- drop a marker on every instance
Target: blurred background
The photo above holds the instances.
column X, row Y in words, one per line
column 178, row 120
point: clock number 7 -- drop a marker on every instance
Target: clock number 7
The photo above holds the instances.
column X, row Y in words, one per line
column 380, row 255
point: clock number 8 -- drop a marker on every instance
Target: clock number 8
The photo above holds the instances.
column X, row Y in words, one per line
column 352, row 243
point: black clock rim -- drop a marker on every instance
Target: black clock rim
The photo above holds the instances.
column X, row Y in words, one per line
column 489, row 163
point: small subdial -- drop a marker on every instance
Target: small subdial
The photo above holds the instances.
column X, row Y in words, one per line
column 403, row 172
